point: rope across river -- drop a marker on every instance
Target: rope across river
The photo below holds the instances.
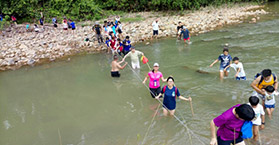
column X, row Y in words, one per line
column 181, row 122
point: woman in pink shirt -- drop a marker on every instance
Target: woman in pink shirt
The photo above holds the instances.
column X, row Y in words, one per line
column 154, row 83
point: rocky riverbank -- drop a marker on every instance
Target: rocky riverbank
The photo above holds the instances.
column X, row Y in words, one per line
column 19, row 48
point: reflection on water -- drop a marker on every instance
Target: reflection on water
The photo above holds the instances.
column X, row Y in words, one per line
column 89, row 107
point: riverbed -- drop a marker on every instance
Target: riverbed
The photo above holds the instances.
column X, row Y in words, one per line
column 75, row 101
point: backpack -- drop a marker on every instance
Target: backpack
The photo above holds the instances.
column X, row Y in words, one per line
column 164, row 89
column 246, row 130
column 260, row 74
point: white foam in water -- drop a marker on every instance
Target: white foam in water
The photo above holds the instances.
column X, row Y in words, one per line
column 7, row 124
column 33, row 109
column 21, row 114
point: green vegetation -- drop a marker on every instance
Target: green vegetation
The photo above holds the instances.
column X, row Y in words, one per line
column 80, row 10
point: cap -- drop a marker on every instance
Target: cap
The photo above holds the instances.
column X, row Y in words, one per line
column 156, row 64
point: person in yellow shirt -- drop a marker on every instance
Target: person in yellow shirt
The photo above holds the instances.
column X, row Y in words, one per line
column 266, row 78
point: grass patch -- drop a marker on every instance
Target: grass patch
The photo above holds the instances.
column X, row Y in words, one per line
column 136, row 19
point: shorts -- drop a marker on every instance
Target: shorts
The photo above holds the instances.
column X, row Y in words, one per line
column 65, row 28
column 155, row 32
column 119, row 31
column 269, row 106
column 258, row 95
column 115, row 74
column 135, row 65
column 229, row 142
column 73, row 28
column 169, row 106
column 186, row 39
column 155, row 91
column 222, row 69
column 240, row 78
column 126, row 52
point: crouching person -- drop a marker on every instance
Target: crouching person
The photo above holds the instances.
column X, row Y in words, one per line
column 230, row 125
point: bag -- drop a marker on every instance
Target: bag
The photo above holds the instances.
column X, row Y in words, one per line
column 164, row 89
column 259, row 74
column 246, row 130
column 144, row 59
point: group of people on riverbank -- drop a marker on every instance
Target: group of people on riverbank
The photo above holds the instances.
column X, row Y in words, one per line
column 231, row 124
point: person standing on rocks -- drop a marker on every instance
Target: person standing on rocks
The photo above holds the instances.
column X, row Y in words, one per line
column 98, row 30
column 54, row 22
column 119, row 30
column 73, row 25
column 116, row 66
column 155, row 26
column 186, row 35
column 42, row 21
column 134, row 54
column 14, row 19
column 65, row 24
column 179, row 29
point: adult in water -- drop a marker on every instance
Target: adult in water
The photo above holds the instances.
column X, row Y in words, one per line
column 154, row 83
column 265, row 78
column 170, row 93
column 134, row 54
column 115, row 66
column 229, row 125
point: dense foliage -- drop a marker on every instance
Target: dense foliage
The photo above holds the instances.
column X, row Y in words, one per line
column 29, row 10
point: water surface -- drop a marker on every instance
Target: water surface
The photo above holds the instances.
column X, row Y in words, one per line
column 79, row 99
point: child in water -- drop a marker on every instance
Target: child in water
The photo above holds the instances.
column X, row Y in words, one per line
column 225, row 59
column 259, row 120
column 269, row 103
column 238, row 67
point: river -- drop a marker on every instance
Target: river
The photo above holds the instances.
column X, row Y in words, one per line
column 78, row 103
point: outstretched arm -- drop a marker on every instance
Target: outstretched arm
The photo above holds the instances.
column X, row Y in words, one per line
column 214, row 62
column 145, row 79
column 213, row 133
column 157, row 97
column 185, row 99
column 276, row 84
column 121, row 67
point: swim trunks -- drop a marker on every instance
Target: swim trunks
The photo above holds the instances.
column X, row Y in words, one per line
column 115, row 74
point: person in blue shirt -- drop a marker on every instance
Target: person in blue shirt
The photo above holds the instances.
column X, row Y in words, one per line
column 54, row 22
column 186, row 34
column 108, row 44
column 42, row 21
column 73, row 25
column 1, row 17
column 126, row 45
column 170, row 93
column 225, row 60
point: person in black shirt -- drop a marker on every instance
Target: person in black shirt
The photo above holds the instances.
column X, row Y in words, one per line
column 98, row 30
column 179, row 29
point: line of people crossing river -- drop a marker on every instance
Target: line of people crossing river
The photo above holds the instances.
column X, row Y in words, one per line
column 241, row 121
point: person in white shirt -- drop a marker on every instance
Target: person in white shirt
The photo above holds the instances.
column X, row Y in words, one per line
column 259, row 119
column 269, row 102
column 155, row 26
column 134, row 54
column 238, row 67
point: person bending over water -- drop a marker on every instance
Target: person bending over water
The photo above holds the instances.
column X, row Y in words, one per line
column 238, row 67
column 170, row 93
column 115, row 66
column 225, row 59
column 154, row 83
column 229, row 125
column 264, row 79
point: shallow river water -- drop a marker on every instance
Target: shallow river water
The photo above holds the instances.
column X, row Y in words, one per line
column 78, row 103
